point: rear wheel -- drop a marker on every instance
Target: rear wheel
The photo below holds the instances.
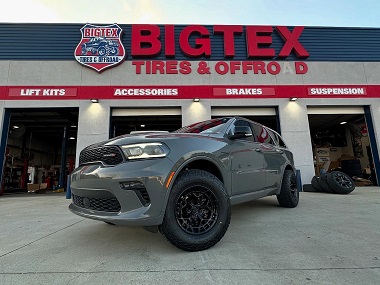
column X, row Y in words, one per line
column 289, row 195
column 113, row 51
column 198, row 212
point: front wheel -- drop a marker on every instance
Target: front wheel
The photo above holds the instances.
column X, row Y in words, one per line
column 198, row 212
column 289, row 195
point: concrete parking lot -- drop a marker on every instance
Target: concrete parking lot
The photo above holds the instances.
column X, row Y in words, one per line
column 327, row 239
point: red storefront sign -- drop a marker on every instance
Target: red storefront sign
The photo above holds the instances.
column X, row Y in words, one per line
column 187, row 92
column 148, row 41
column 220, row 67
column 54, row 92
column 336, row 90
column 101, row 47
column 153, row 92
column 233, row 91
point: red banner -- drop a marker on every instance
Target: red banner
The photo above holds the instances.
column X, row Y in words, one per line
column 250, row 91
column 330, row 90
column 187, row 92
column 55, row 92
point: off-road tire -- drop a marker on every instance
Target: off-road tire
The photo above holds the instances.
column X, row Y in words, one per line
column 316, row 185
column 309, row 188
column 198, row 211
column 340, row 182
column 289, row 195
column 325, row 184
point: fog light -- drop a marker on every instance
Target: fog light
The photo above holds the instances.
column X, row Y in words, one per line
column 139, row 189
column 131, row 185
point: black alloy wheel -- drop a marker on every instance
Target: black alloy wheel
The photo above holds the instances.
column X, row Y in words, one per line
column 197, row 210
column 289, row 195
column 340, row 182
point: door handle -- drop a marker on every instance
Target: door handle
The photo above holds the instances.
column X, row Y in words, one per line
column 279, row 151
column 258, row 149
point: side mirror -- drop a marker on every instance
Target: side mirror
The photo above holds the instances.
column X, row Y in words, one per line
column 239, row 135
column 241, row 132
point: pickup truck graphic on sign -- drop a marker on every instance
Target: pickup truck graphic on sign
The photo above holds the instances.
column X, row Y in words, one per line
column 101, row 46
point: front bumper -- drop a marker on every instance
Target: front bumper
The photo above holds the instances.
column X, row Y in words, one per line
column 98, row 192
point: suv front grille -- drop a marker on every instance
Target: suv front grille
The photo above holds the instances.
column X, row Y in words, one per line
column 109, row 155
column 106, row 205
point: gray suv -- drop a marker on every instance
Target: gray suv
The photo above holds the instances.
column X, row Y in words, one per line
column 183, row 183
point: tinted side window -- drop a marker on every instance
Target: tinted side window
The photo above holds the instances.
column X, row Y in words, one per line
column 280, row 141
column 272, row 138
column 277, row 139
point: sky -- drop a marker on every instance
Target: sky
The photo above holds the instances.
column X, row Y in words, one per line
column 327, row 13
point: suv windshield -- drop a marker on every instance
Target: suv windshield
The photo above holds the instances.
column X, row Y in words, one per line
column 210, row 126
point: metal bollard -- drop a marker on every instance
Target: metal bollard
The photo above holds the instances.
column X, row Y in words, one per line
column 299, row 182
column 68, row 188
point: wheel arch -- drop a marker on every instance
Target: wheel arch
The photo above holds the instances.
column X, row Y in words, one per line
column 201, row 163
column 196, row 162
column 287, row 167
column 198, row 211
column 290, row 167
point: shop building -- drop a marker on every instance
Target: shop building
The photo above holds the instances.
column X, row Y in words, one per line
column 304, row 82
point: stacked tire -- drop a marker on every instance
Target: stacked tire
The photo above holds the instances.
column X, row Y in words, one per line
column 335, row 182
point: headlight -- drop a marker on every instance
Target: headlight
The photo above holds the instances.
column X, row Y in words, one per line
column 145, row 150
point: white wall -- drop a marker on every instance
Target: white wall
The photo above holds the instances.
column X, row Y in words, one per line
column 193, row 112
column 93, row 124
column 19, row 73
column 295, row 131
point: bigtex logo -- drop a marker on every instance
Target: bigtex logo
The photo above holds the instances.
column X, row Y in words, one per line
column 101, row 47
column 195, row 41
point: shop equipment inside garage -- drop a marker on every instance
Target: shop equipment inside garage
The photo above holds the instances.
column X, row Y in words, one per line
column 40, row 150
column 340, row 142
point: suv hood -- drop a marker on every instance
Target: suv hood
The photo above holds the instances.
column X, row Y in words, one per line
column 150, row 137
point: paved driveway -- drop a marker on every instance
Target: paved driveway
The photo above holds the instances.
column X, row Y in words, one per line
column 327, row 239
